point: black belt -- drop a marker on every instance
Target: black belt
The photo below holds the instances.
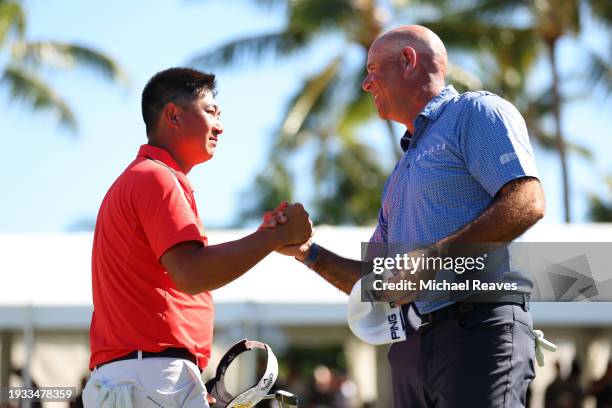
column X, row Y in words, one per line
column 173, row 352
column 460, row 308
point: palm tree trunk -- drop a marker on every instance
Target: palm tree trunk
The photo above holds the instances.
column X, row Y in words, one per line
column 394, row 142
column 560, row 142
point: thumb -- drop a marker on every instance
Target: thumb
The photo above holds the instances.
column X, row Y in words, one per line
column 210, row 399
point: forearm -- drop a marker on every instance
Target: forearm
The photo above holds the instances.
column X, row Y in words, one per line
column 340, row 272
column 210, row 267
column 519, row 207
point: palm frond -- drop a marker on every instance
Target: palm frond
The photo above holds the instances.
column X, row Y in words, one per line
column 252, row 48
column 487, row 9
column 318, row 15
column 65, row 55
column 548, row 142
column 351, row 187
column 600, row 73
column 12, row 17
column 463, row 77
column 273, row 185
column 601, row 10
column 359, row 110
column 514, row 50
column 305, row 100
column 31, row 89
column 599, row 210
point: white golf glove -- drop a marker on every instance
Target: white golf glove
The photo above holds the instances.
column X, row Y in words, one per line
column 542, row 343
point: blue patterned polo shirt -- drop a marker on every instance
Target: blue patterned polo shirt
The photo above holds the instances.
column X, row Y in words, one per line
column 465, row 148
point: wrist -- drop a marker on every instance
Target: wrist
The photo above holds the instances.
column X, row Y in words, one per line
column 275, row 237
column 310, row 256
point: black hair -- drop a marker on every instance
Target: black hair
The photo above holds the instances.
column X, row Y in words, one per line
column 177, row 85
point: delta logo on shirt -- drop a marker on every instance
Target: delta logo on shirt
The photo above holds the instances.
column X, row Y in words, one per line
column 427, row 152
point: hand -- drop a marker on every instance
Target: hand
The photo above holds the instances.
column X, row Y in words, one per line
column 275, row 217
column 298, row 228
column 298, row 251
column 210, row 399
column 410, row 276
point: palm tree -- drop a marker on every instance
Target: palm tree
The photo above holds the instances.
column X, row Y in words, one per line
column 329, row 107
column 516, row 43
column 20, row 73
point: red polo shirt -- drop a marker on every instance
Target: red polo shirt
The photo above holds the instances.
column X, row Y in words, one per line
column 148, row 209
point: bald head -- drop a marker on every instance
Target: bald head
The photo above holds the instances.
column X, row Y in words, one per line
column 405, row 69
column 426, row 43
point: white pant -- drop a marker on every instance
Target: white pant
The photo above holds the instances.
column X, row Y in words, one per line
column 159, row 382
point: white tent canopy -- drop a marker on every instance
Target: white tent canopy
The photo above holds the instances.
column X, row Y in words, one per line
column 47, row 281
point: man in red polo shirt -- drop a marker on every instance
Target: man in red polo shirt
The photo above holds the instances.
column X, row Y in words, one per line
column 152, row 268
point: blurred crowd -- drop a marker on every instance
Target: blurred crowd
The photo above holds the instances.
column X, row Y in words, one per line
column 325, row 388
column 568, row 391
column 329, row 387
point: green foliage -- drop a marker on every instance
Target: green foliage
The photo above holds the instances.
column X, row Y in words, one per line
column 271, row 186
column 22, row 73
column 29, row 87
column 350, row 187
column 600, row 210
column 516, row 34
column 324, row 114
column 505, row 37
column 11, row 19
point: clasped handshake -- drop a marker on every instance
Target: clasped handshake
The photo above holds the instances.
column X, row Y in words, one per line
column 293, row 223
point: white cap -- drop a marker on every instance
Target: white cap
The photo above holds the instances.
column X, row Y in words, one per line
column 374, row 322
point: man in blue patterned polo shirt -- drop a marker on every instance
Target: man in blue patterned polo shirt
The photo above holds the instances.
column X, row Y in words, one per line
column 467, row 175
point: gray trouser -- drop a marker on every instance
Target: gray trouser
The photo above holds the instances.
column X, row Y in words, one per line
column 480, row 359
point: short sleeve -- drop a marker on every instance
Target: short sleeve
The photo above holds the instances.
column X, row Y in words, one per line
column 376, row 246
column 166, row 216
column 495, row 143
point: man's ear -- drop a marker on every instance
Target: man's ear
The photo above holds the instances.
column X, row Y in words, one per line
column 170, row 115
column 408, row 59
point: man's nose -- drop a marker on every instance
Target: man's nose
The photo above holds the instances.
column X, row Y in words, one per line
column 365, row 85
column 218, row 128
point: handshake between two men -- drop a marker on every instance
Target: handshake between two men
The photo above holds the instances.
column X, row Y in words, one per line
column 298, row 224
column 196, row 268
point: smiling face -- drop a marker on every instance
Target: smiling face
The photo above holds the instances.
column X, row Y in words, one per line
column 199, row 128
column 384, row 81
column 406, row 68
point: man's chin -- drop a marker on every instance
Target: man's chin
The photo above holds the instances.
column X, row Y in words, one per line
column 382, row 114
column 209, row 154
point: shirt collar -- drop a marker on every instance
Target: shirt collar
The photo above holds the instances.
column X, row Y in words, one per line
column 431, row 111
column 435, row 106
column 160, row 154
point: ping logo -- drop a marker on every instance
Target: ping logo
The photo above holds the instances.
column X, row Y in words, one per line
column 507, row 157
column 393, row 326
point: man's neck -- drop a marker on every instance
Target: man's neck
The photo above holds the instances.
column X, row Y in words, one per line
column 185, row 167
column 427, row 95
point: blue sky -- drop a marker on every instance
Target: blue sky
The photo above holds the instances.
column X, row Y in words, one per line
column 50, row 178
